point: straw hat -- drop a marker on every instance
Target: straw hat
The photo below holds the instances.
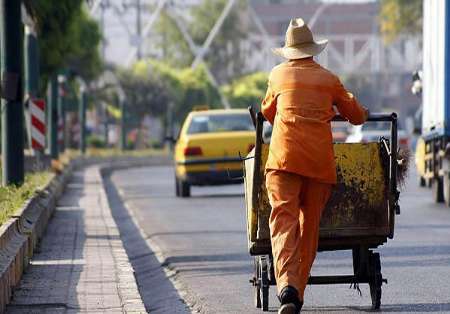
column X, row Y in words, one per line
column 300, row 42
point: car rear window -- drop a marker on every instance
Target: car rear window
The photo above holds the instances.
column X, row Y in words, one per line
column 220, row 123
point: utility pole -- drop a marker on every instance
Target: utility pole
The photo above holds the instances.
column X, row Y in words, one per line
column 12, row 92
column 102, row 22
column 61, row 114
column 82, row 111
column 138, row 29
column 52, row 115
column 123, row 127
column 32, row 79
column 106, row 123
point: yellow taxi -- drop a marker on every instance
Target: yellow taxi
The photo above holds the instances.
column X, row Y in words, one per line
column 209, row 148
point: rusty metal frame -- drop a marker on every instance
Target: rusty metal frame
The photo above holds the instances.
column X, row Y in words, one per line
column 393, row 206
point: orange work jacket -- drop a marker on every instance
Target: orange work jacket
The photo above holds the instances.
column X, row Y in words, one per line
column 299, row 102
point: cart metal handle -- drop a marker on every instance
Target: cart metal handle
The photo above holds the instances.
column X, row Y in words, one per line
column 373, row 117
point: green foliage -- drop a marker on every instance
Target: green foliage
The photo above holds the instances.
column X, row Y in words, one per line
column 152, row 86
column 68, row 38
column 400, row 16
column 145, row 93
column 95, row 141
column 174, row 48
column 13, row 197
column 247, row 91
column 224, row 49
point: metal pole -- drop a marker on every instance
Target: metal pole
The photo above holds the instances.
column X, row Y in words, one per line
column 32, row 79
column 12, row 92
column 31, row 62
column 138, row 29
column 83, row 104
column 52, row 125
column 102, row 22
column 106, row 124
column 61, row 114
column 123, row 128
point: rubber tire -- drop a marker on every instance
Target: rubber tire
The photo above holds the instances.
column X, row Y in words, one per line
column 177, row 187
column 446, row 189
column 185, row 188
column 422, row 182
column 376, row 280
column 264, row 284
column 438, row 190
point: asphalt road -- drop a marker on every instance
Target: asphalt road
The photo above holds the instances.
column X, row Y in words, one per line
column 202, row 240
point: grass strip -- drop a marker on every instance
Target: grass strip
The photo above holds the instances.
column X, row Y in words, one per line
column 12, row 198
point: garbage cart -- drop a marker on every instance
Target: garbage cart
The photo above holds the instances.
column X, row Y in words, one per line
column 359, row 216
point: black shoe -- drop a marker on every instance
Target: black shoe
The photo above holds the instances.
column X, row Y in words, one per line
column 290, row 303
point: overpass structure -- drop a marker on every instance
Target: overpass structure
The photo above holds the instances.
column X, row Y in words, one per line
column 351, row 50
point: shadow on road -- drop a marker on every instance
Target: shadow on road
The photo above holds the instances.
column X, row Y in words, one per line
column 157, row 291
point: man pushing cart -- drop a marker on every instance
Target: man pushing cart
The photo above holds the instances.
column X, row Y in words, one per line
column 305, row 174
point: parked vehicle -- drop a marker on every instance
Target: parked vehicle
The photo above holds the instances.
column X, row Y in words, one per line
column 373, row 131
column 433, row 149
column 209, row 148
column 339, row 131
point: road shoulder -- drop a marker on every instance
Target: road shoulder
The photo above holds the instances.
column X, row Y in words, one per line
column 157, row 283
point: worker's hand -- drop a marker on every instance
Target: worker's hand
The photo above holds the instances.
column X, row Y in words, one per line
column 367, row 114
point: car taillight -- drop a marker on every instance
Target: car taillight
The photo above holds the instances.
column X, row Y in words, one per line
column 403, row 141
column 193, row 151
column 250, row 147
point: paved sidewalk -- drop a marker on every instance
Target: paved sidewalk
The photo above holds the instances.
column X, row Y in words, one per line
column 81, row 265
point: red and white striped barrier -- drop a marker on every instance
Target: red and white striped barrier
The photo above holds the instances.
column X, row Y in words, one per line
column 37, row 111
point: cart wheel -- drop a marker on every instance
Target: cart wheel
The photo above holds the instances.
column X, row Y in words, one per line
column 438, row 190
column 264, row 284
column 376, row 280
column 257, row 283
column 446, row 188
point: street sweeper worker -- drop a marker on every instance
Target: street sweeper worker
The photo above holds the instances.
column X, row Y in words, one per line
column 300, row 172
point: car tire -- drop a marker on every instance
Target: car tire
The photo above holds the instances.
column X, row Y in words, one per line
column 177, row 187
column 446, row 188
column 438, row 190
column 185, row 188
column 422, row 182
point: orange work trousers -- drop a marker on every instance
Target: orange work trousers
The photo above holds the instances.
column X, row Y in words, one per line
column 297, row 204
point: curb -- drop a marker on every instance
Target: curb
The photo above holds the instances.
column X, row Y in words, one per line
column 20, row 234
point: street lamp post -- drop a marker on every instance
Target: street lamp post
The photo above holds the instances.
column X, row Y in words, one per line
column 82, row 118
column 61, row 113
column 12, row 92
column 52, row 114
column 123, row 128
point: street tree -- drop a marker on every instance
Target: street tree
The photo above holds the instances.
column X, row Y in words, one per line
column 400, row 17
column 248, row 90
column 68, row 38
column 225, row 49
